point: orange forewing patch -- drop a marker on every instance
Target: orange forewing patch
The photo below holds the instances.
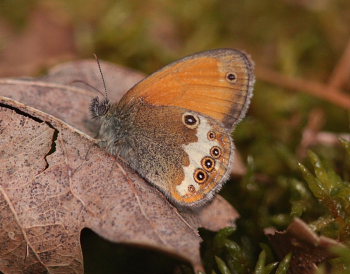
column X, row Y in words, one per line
column 199, row 83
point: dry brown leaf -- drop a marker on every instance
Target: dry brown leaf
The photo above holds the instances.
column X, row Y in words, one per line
column 307, row 248
column 54, row 181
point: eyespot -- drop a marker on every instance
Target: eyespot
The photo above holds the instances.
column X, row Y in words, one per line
column 208, row 163
column 215, row 152
column 190, row 120
column 231, row 77
column 191, row 189
column 200, row 176
column 211, row 135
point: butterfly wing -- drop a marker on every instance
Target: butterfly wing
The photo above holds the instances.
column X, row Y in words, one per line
column 218, row 83
column 174, row 127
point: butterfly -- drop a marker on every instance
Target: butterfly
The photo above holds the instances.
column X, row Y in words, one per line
column 174, row 127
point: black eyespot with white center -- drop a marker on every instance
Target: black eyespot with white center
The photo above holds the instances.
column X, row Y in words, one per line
column 190, row 120
column 208, row 163
column 191, row 189
column 200, row 176
column 231, row 77
column 215, row 152
column 211, row 136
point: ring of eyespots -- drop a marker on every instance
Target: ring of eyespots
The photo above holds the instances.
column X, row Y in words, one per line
column 231, row 77
column 208, row 163
column 200, row 176
column 215, row 152
column 211, row 135
column 190, row 120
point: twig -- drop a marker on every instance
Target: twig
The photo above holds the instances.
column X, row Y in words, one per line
column 314, row 125
column 312, row 87
column 341, row 72
column 330, row 138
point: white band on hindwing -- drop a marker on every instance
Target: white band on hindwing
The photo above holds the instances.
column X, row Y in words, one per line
column 196, row 151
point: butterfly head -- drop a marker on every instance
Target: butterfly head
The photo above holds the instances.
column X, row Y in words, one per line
column 99, row 109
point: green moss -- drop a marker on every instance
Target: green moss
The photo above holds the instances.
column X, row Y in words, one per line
column 333, row 193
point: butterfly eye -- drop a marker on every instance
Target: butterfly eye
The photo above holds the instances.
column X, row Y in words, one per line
column 211, row 135
column 200, row 176
column 208, row 163
column 215, row 152
column 231, row 77
column 190, row 120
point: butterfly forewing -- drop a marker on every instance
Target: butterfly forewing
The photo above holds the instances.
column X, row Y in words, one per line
column 217, row 83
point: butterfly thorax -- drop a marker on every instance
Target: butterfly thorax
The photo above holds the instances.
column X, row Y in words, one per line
column 116, row 129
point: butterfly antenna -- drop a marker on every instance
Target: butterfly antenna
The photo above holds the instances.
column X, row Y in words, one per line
column 87, row 84
column 103, row 79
